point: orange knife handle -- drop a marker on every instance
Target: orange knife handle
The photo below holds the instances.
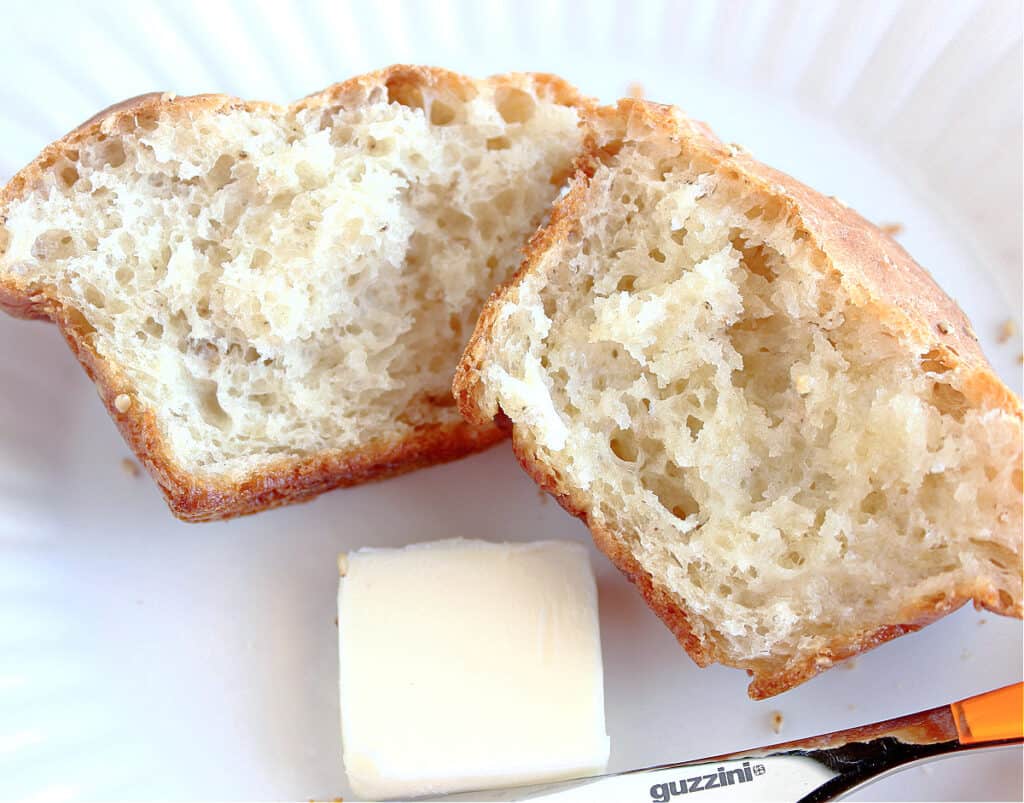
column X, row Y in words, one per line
column 991, row 717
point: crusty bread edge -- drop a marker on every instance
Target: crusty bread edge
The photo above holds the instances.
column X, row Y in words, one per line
column 873, row 268
column 289, row 479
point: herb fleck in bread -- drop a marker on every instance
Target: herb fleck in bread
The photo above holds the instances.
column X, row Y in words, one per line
column 272, row 300
column 771, row 418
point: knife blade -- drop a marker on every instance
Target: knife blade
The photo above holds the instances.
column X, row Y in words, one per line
column 812, row 770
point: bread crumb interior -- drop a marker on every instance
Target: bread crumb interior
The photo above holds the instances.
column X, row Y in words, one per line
column 770, row 452
column 279, row 282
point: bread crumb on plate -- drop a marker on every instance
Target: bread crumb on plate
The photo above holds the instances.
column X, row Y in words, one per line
column 1007, row 329
column 130, row 467
column 892, row 229
column 777, row 721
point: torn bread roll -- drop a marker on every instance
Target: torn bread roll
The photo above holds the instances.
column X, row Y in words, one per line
column 272, row 299
column 770, row 417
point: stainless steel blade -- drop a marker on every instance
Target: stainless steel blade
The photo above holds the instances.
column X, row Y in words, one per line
column 810, row 770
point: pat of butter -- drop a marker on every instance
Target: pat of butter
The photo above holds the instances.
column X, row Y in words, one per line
column 469, row 665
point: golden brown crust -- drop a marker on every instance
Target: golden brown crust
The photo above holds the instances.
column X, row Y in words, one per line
column 873, row 269
column 290, row 479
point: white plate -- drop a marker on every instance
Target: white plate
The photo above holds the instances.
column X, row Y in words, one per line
column 143, row 658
